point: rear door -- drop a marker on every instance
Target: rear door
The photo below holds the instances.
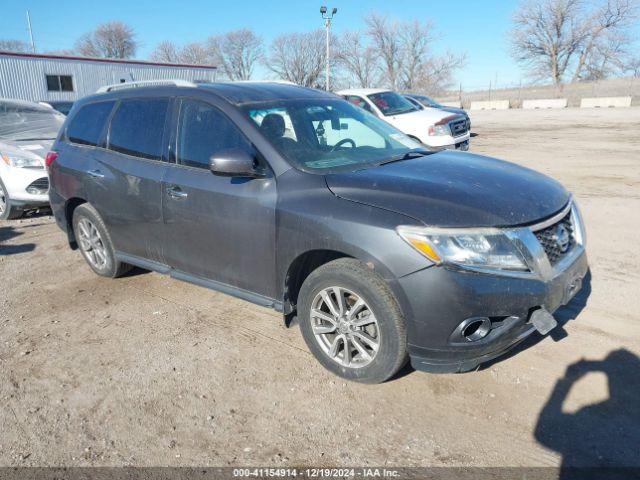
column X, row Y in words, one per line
column 127, row 176
column 217, row 228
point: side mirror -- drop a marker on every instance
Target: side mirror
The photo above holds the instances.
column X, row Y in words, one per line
column 234, row 162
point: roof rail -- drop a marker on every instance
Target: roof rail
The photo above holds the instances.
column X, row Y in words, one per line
column 284, row 82
column 145, row 83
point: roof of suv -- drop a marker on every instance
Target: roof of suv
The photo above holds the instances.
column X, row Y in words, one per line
column 239, row 93
column 249, row 92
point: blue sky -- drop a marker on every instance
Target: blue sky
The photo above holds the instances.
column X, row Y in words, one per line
column 478, row 28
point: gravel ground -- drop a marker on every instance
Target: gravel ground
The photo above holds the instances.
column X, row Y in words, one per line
column 150, row 371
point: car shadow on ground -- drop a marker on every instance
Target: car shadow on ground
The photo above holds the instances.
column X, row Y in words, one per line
column 8, row 233
column 599, row 440
column 135, row 271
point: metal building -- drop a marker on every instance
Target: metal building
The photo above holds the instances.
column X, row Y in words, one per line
column 41, row 77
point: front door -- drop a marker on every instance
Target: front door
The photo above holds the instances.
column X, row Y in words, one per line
column 217, row 228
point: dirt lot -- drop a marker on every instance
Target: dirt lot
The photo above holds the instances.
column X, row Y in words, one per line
column 146, row 370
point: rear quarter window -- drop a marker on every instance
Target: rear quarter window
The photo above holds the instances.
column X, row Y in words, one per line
column 87, row 124
column 137, row 127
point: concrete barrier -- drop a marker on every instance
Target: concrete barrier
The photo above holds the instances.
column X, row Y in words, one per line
column 544, row 103
column 492, row 105
column 451, row 104
column 605, row 102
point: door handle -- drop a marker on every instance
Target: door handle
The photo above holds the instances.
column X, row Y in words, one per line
column 176, row 192
column 95, row 173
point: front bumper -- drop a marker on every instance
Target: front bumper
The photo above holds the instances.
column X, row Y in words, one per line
column 439, row 299
column 17, row 180
column 442, row 142
column 462, row 145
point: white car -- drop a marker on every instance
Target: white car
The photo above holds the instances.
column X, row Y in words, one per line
column 27, row 131
column 431, row 126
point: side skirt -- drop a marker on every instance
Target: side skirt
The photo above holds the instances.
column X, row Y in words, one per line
column 203, row 282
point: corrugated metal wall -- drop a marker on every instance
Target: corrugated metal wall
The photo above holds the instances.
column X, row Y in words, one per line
column 25, row 77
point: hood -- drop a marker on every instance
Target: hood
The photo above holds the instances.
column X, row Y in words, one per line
column 425, row 116
column 454, row 189
column 459, row 111
column 35, row 147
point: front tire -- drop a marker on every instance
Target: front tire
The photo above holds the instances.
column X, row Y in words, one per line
column 95, row 243
column 8, row 211
column 351, row 322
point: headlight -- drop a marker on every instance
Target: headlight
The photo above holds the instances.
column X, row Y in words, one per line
column 20, row 161
column 483, row 248
column 439, row 129
column 578, row 225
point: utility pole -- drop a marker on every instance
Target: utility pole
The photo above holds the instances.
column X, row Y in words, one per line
column 33, row 45
column 327, row 25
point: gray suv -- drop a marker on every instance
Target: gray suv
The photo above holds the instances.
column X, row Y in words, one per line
column 293, row 198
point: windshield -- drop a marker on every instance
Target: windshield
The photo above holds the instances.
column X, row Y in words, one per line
column 328, row 135
column 430, row 102
column 25, row 121
column 392, row 103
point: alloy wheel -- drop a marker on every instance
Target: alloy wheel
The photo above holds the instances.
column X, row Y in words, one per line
column 345, row 327
column 91, row 243
column 3, row 200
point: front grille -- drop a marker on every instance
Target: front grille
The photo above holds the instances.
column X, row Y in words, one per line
column 551, row 239
column 39, row 186
column 459, row 127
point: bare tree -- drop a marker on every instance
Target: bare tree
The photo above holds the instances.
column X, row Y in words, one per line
column 633, row 66
column 64, row 52
column 405, row 52
column 606, row 40
column 607, row 56
column 237, row 53
column 10, row 45
column 165, row 52
column 110, row 40
column 196, row 53
column 358, row 60
column 436, row 73
column 415, row 39
column 554, row 37
column 385, row 39
column 298, row 57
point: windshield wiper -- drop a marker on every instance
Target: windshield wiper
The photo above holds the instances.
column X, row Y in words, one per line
column 406, row 156
column 34, row 139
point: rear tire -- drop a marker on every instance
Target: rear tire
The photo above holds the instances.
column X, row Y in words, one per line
column 95, row 243
column 8, row 211
column 364, row 339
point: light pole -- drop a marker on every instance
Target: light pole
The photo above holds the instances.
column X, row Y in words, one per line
column 327, row 25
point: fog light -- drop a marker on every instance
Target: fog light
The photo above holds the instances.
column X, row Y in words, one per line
column 474, row 329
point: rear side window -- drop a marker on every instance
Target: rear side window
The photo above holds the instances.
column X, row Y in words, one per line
column 87, row 125
column 137, row 127
column 204, row 131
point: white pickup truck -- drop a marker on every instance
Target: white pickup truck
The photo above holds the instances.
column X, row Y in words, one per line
column 433, row 127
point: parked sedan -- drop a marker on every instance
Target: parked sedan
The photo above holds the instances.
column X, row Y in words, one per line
column 428, row 102
column 27, row 131
column 63, row 107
